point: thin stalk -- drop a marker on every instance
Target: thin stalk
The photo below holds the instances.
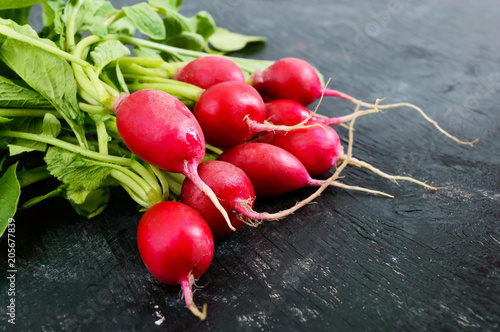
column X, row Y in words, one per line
column 67, row 146
column 163, row 180
column 93, row 109
column 102, row 137
column 24, row 112
column 191, row 93
column 134, row 191
column 145, row 174
column 70, row 25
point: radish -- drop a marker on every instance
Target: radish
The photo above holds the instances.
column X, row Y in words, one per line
column 317, row 147
column 230, row 184
column 289, row 113
column 162, row 131
column 231, row 113
column 296, row 79
column 273, row 170
column 209, row 70
column 235, row 188
column 177, row 247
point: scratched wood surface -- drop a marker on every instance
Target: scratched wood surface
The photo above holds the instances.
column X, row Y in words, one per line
column 421, row 261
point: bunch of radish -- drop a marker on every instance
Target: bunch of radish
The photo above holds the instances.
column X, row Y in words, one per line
column 268, row 149
column 212, row 133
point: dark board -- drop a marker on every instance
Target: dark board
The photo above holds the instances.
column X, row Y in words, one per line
column 421, row 261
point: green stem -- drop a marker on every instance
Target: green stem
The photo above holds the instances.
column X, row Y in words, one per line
column 67, row 146
column 46, row 47
column 146, row 188
column 25, row 112
column 175, row 187
column 163, row 180
column 70, row 25
column 137, row 69
column 102, row 137
column 133, row 189
column 93, row 109
column 179, row 91
column 145, row 174
column 247, row 65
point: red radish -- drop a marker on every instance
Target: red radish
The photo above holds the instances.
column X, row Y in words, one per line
column 290, row 78
column 273, row 170
column 161, row 130
column 317, row 147
column 231, row 113
column 176, row 246
column 209, row 70
column 236, row 192
column 296, row 79
column 289, row 113
column 230, row 184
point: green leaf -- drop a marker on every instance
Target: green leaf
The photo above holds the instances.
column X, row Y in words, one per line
column 32, row 175
column 16, row 96
column 107, row 52
column 80, row 174
column 51, row 126
column 187, row 40
column 122, row 26
column 227, row 41
column 10, row 190
column 93, row 204
column 166, row 4
column 204, row 23
column 8, row 4
column 146, row 20
column 48, row 74
column 18, row 15
column 59, row 191
column 4, row 120
column 53, row 18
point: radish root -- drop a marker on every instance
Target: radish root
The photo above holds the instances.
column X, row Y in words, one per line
column 334, row 93
column 187, row 285
column 393, row 178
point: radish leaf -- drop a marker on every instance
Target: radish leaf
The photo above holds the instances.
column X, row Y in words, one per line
column 10, row 190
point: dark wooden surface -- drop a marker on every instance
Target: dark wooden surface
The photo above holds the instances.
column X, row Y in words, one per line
column 420, row 261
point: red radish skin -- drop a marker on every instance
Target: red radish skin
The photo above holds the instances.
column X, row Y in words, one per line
column 289, row 113
column 161, row 130
column 176, row 246
column 273, row 170
column 230, row 184
column 317, row 147
column 209, row 70
column 231, row 113
column 296, row 79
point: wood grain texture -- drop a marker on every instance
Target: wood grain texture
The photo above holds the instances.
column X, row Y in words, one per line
column 420, row 261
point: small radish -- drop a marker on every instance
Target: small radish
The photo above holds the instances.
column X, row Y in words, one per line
column 230, row 184
column 317, row 147
column 162, row 131
column 209, row 70
column 289, row 113
column 296, row 79
column 231, row 113
column 236, row 192
column 273, row 170
column 176, row 246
